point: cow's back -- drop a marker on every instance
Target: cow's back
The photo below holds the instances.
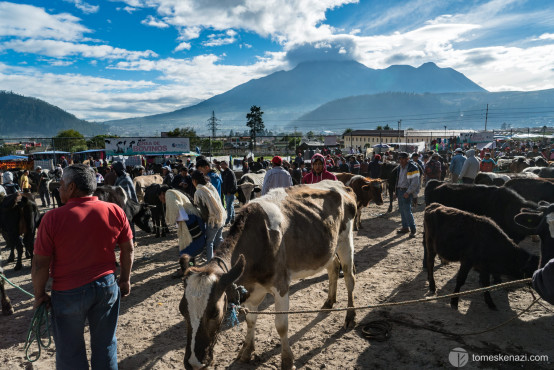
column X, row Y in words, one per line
column 292, row 232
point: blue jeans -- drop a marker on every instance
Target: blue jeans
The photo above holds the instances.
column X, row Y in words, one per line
column 99, row 303
column 229, row 199
column 213, row 239
column 405, row 208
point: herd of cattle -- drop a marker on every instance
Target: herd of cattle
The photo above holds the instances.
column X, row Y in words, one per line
column 309, row 227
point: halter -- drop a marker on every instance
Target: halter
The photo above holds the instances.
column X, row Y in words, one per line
column 220, row 261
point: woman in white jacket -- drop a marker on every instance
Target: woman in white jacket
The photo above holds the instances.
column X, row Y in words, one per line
column 207, row 199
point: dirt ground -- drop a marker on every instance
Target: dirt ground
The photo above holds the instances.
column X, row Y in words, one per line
column 151, row 333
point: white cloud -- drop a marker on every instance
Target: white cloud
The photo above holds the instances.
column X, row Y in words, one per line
column 182, row 46
column 58, row 49
column 546, row 36
column 151, row 21
column 83, row 6
column 27, row 21
column 128, row 9
column 218, row 40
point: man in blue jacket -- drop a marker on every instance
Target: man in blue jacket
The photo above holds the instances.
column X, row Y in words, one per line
column 456, row 164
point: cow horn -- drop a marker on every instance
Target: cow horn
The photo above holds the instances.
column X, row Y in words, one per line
column 233, row 274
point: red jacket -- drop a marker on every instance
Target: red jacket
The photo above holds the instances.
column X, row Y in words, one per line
column 312, row 178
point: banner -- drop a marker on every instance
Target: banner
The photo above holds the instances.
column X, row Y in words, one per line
column 147, row 145
column 477, row 137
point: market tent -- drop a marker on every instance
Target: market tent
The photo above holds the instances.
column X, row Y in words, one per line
column 13, row 158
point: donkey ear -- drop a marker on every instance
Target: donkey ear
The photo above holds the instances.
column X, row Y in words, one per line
column 233, row 274
column 528, row 220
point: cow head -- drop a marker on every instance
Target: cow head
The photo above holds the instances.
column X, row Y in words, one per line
column 204, row 305
column 535, row 220
column 143, row 219
column 372, row 190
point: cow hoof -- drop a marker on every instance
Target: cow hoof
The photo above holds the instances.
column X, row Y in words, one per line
column 350, row 321
column 27, row 254
column 7, row 308
column 18, row 266
column 328, row 304
column 287, row 363
column 11, row 258
column 245, row 353
column 454, row 304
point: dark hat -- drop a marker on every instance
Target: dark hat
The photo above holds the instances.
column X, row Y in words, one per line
column 415, row 154
column 277, row 160
column 202, row 163
column 223, row 162
column 118, row 166
column 402, row 155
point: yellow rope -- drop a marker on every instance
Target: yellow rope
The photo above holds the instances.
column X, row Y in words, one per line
column 392, row 304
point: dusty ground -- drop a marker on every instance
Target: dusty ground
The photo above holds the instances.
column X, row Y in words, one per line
column 152, row 333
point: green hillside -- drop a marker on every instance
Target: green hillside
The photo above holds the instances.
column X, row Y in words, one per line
column 22, row 116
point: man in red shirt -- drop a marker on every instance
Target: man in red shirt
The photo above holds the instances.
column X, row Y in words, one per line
column 75, row 246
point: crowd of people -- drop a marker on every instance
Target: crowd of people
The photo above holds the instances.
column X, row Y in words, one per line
column 200, row 199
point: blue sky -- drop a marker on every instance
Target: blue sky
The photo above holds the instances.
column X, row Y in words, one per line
column 104, row 60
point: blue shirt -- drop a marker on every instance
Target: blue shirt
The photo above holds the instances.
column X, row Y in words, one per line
column 457, row 163
column 216, row 181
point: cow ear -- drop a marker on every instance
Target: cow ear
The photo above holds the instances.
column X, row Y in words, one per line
column 528, row 220
column 233, row 274
column 185, row 263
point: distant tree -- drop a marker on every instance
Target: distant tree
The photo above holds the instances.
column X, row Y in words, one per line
column 255, row 122
column 189, row 132
column 70, row 141
column 387, row 127
column 347, row 131
column 310, row 135
column 97, row 142
column 8, row 149
column 231, row 133
column 379, row 128
column 503, row 126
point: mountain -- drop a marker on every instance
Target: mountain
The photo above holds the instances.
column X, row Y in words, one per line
column 286, row 95
column 22, row 116
column 433, row 111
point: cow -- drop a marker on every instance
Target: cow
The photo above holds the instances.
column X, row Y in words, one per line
column 285, row 235
column 366, row 190
column 7, row 308
column 476, row 242
column 142, row 182
column 533, row 190
column 151, row 197
column 501, row 204
column 389, row 172
column 249, row 185
column 520, row 163
column 139, row 213
column 544, row 172
column 490, row 178
column 18, row 216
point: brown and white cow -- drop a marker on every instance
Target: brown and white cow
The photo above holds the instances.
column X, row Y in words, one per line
column 285, row 235
column 142, row 182
column 366, row 190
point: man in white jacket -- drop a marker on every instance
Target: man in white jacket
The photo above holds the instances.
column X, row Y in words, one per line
column 277, row 177
column 470, row 168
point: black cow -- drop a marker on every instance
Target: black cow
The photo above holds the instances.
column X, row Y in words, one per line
column 476, row 242
column 499, row 203
column 18, row 216
column 541, row 223
column 151, row 197
column 389, row 172
column 490, row 178
column 533, row 190
column 7, row 308
column 139, row 213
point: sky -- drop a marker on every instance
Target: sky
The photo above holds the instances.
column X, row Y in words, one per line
column 103, row 60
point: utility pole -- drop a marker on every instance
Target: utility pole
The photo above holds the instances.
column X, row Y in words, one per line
column 486, row 117
column 212, row 124
column 399, row 124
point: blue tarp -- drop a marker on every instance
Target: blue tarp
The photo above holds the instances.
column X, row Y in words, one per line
column 13, row 158
column 50, row 152
column 90, row 151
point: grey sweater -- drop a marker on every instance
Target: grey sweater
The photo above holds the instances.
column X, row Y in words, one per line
column 543, row 282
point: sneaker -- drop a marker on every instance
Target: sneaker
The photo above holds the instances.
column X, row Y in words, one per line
column 403, row 230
